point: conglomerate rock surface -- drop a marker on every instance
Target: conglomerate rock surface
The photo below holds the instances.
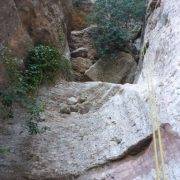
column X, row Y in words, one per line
column 108, row 121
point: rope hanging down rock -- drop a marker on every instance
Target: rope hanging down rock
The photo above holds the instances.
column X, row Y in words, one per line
column 157, row 137
column 155, row 121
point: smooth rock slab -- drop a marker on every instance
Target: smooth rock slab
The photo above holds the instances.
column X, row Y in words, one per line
column 120, row 69
column 77, row 142
column 116, row 120
column 141, row 167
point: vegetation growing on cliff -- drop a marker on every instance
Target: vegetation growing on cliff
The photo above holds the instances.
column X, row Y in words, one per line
column 43, row 64
column 118, row 21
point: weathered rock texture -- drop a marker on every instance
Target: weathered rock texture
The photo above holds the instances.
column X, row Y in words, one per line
column 116, row 70
column 80, row 65
column 26, row 22
column 114, row 120
column 83, row 52
column 140, row 166
column 84, row 39
column 81, row 9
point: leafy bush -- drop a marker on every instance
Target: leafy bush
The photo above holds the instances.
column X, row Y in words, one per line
column 4, row 150
column 118, row 21
column 13, row 89
column 43, row 64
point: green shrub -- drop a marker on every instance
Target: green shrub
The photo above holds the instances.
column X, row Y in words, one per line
column 13, row 88
column 43, row 64
column 4, row 150
column 118, row 21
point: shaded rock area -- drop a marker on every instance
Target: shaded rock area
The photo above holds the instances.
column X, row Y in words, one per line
column 83, row 53
column 120, row 69
column 80, row 52
column 81, row 9
column 116, row 70
column 141, row 165
column 80, row 65
column 83, row 38
column 25, row 23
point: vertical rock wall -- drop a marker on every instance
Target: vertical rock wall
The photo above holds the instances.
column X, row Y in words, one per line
column 24, row 23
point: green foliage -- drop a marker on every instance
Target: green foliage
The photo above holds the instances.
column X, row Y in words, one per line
column 4, row 150
column 42, row 65
column 33, row 127
column 62, row 37
column 13, row 89
column 118, row 21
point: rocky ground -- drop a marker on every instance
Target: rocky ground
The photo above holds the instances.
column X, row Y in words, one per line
column 102, row 130
column 88, row 67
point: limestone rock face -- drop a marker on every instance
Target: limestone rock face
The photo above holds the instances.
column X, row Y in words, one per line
column 114, row 121
column 140, row 167
column 12, row 32
column 103, row 128
column 26, row 22
column 118, row 70
column 118, row 117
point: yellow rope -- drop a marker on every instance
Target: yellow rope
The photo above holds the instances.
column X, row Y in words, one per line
column 157, row 138
column 153, row 113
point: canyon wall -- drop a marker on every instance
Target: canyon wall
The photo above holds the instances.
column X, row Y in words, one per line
column 100, row 130
column 25, row 23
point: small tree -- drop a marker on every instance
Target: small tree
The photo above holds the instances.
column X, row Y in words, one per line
column 118, row 21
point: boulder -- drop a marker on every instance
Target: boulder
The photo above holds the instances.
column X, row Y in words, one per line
column 80, row 52
column 65, row 109
column 72, row 101
column 81, row 64
column 119, row 70
column 131, row 167
column 83, row 38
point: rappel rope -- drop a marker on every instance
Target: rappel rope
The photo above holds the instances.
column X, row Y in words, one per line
column 157, row 138
column 153, row 115
column 155, row 120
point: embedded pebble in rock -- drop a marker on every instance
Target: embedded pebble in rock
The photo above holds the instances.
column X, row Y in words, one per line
column 80, row 52
column 74, row 108
column 82, row 99
column 65, row 109
column 72, row 100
